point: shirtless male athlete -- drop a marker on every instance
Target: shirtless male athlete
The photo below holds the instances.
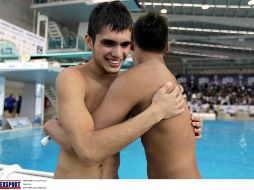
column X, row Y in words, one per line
column 86, row 86
column 169, row 145
column 81, row 89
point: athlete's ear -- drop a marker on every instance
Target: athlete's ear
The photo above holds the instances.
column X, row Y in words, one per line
column 166, row 48
column 89, row 42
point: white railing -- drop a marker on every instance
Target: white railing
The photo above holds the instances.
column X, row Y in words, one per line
column 6, row 172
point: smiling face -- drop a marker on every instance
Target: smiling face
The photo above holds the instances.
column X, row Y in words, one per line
column 110, row 49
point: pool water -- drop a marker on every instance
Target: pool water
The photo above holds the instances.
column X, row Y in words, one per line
column 23, row 147
column 226, row 151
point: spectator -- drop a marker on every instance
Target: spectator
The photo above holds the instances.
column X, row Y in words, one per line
column 9, row 104
column 18, row 105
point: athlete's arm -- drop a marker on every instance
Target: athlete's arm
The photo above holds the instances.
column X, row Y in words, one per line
column 94, row 146
column 125, row 94
column 53, row 127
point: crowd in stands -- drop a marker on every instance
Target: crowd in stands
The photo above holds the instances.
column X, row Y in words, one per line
column 213, row 98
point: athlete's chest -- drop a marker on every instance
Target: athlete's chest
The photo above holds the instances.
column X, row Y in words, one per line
column 94, row 95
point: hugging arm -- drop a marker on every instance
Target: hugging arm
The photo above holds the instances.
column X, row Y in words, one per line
column 93, row 146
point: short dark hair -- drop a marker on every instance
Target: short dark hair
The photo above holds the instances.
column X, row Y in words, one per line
column 150, row 32
column 109, row 14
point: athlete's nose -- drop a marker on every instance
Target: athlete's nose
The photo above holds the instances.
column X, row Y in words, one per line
column 117, row 52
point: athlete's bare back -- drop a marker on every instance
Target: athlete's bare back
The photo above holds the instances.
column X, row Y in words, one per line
column 170, row 144
column 170, row 149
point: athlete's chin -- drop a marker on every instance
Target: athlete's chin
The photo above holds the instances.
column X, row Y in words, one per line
column 113, row 71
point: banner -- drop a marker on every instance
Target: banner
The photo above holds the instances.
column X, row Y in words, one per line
column 233, row 80
column 2, row 95
column 26, row 42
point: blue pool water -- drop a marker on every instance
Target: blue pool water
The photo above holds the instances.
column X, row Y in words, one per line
column 226, row 151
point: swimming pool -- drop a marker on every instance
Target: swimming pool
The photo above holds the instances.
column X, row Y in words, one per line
column 226, row 151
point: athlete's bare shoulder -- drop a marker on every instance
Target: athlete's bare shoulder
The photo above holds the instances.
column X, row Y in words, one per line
column 150, row 70
column 138, row 71
column 72, row 76
column 156, row 69
column 71, row 79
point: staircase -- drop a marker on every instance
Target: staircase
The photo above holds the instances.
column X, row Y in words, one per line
column 55, row 33
column 50, row 92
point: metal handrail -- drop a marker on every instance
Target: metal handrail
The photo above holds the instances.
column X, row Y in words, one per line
column 68, row 42
column 47, row 1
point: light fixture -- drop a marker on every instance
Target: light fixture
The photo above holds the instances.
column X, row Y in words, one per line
column 251, row 2
column 205, row 6
column 212, row 30
column 197, row 5
column 164, row 11
column 92, row 2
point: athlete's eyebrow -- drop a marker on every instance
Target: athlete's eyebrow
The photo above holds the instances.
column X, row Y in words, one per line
column 125, row 44
column 109, row 42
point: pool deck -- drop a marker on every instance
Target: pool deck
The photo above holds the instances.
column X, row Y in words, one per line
column 14, row 172
column 19, row 129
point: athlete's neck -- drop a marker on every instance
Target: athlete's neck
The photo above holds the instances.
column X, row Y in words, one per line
column 142, row 56
column 99, row 74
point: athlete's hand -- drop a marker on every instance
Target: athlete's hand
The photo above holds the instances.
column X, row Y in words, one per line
column 168, row 101
column 49, row 124
column 55, row 130
column 197, row 124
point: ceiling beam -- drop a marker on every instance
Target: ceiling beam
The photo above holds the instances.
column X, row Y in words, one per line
column 226, row 21
column 218, row 37
column 213, row 52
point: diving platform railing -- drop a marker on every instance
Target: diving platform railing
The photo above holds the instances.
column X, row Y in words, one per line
column 16, row 172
